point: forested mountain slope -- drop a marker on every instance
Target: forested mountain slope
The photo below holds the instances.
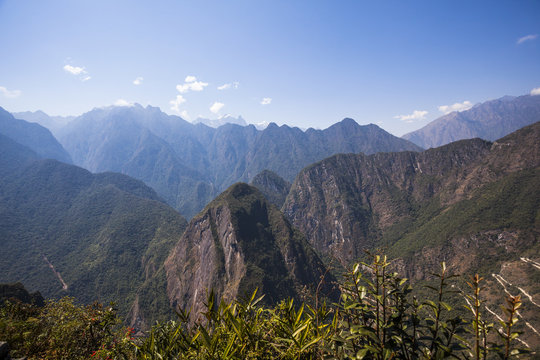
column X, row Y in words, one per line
column 65, row 231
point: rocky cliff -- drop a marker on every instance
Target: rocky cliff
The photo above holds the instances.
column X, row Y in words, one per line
column 350, row 202
column 238, row 243
column 472, row 203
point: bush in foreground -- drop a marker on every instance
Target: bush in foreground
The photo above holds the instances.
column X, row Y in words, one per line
column 378, row 317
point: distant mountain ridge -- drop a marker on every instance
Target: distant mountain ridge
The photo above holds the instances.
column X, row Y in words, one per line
column 222, row 120
column 490, row 120
column 189, row 164
column 53, row 123
column 34, row 136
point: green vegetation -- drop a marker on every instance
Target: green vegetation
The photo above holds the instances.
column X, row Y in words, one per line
column 63, row 330
column 511, row 203
column 378, row 317
column 103, row 234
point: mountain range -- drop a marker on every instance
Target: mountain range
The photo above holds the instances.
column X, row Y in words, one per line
column 474, row 204
column 189, row 164
column 222, row 120
column 489, row 120
column 106, row 236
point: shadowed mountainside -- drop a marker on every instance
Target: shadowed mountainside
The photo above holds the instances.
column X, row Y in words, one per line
column 273, row 187
column 66, row 231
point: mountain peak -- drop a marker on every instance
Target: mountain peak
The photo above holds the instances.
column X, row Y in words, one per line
column 247, row 244
column 489, row 120
column 348, row 121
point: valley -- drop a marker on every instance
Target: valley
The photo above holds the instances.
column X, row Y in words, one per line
column 317, row 200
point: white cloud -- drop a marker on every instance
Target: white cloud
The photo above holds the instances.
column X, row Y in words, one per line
column 11, row 94
column 184, row 115
column 138, row 80
column 535, row 91
column 446, row 109
column 216, row 107
column 78, row 71
column 233, row 85
column 530, row 37
column 175, row 104
column 266, row 101
column 75, row 70
column 416, row 115
column 191, row 84
column 122, row 102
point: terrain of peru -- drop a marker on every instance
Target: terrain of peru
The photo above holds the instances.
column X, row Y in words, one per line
column 129, row 205
column 254, row 179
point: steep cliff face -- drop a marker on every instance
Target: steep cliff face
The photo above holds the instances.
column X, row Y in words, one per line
column 350, row 202
column 472, row 203
column 344, row 203
column 239, row 243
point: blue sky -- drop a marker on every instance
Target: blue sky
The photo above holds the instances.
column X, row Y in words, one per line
column 399, row 64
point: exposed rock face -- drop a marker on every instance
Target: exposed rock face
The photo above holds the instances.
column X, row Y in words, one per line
column 343, row 203
column 239, row 243
column 490, row 120
column 350, row 202
column 472, row 204
column 273, row 187
column 18, row 292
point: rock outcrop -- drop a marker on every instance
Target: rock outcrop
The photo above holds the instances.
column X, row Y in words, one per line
column 350, row 202
column 238, row 243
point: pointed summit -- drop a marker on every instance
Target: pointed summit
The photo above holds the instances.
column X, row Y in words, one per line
column 239, row 243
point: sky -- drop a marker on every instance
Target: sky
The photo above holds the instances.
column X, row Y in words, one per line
column 397, row 64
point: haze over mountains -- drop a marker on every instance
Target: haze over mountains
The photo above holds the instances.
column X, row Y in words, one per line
column 35, row 136
column 188, row 165
column 107, row 236
column 490, row 120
